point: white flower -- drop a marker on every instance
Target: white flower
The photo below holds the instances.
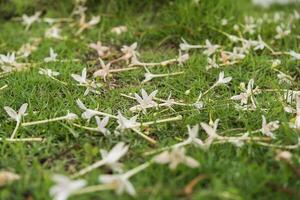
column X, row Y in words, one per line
column 48, row 72
column 224, row 22
column 112, row 157
column 148, row 76
column 250, row 25
column 268, row 128
column 297, row 118
column 104, row 71
column 129, row 51
column 101, row 50
column 281, row 33
column 53, row 32
column 88, row 113
column 27, row 48
column 8, row 59
column 284, row 155
column 295, row 55
column 7, row 177
column 145, row 101
column 101, row 125
column 71, row 116
column 211, row 131
column 52, row 56
column 258, row 45
column 246, row 94
column 211, row 63
column 284, row 78
column 64, row 187
column 95, row 20
column 16, row 115
column 81, row 79
column 236, row 54
column 29, row 20
column 210, row 48
column 121, row 182
column 125, row 123
column 221, row 80
column 175, row 157
column 193, row 136
column 184, row 46
column 119, row 30
column 182, row 58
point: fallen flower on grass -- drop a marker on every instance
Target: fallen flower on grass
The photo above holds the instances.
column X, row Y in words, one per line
column 68, row 117
column 110, row 159
column 149, row 76
column 29, row 20
column 91, row 86
column 295, row 55
column 192, row 139
column 246, row 94
column 131, row 124
column 101, row 125
column 268, row 128
column 101, row 50
column 296, row 123
column 104, row 72
column 52, row 57
column 54, row 33
column 184, row 46
column 145, row 101
column 27, row 48
column 7, row 177
column 121, row 181
column 119, row 30
column 175, row 157
column 83, row 25
column 89, row 113
column 17, row 116
column 65, row 187
column 51, row 74
column 180, row 59
column 210, row 48
column 220, row 81
column 281, row 32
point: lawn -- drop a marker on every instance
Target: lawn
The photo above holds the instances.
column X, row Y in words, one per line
column 198, row 135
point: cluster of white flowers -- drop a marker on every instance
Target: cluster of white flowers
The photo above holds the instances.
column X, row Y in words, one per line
column 114, row 125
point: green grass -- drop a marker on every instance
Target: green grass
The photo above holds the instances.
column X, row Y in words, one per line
column 250, row 172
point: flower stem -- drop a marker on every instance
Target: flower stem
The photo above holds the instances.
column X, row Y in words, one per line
column 94, row 188
column 295, row 146
column 22, row 139
column 44, row 121
column 137, row 169
column 209, row 89
column 62, row 82
column 3, row 87
column 16, row 129
column 181, row 144
column 152, row 141
column 179, row 117
column 89, row 168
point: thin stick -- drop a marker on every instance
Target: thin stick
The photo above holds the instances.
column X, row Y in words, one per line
column 149, row 139
column 94, row 188
column 3, row 87
column 22, row 139
column 44, row 121
column 89, row 168
column 16, row 129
